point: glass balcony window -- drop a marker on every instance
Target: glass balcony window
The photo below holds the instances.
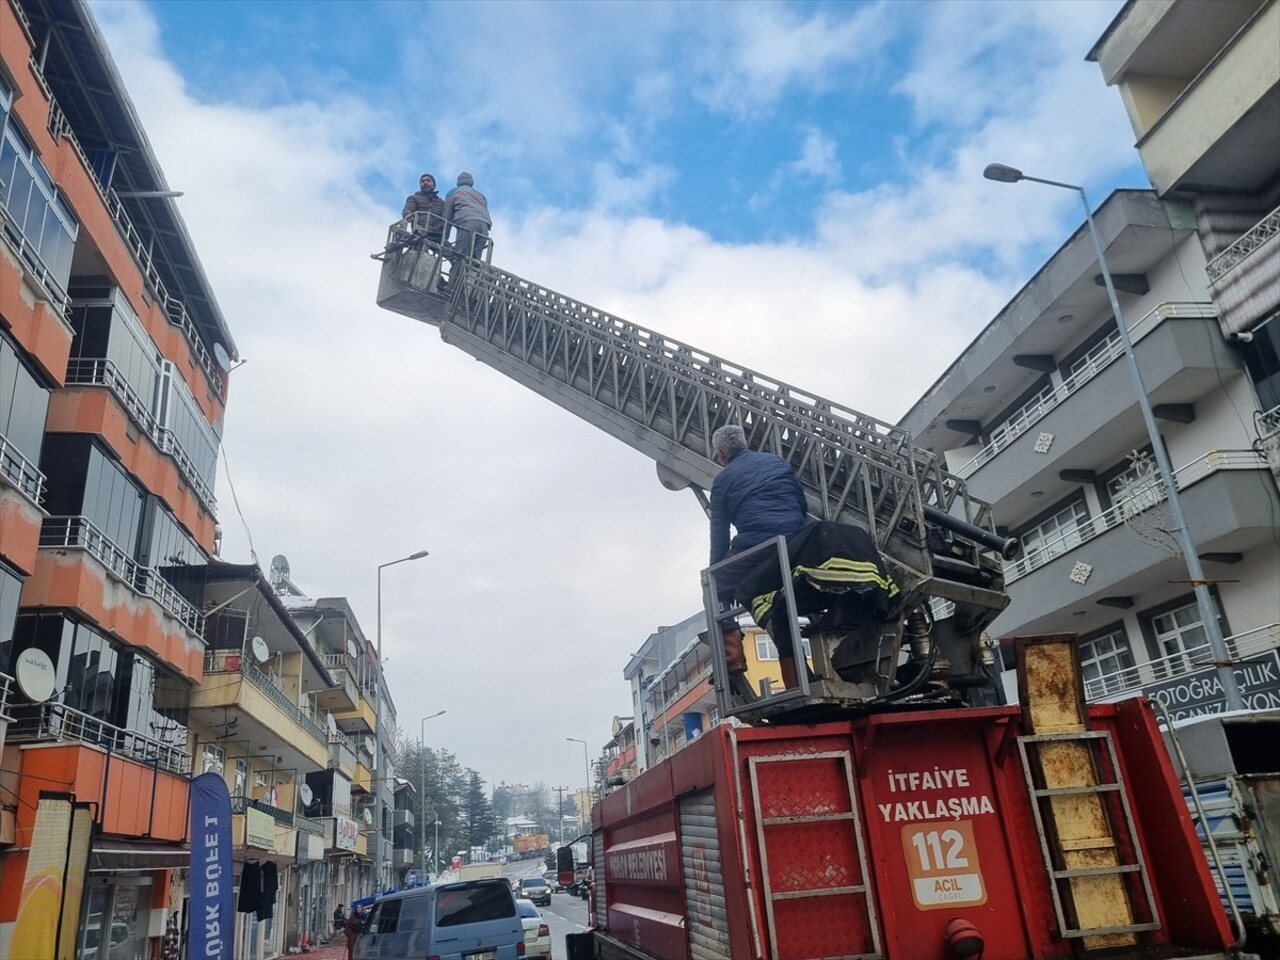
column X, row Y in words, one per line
column 36, row 221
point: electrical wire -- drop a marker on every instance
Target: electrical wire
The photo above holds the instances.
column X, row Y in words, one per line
column 226, row 470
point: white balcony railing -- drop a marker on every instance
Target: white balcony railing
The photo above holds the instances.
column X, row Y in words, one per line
column 6, row 683
column 21, row 472
column 1253, row 238
column 100, row 372
column 1089, row 366
column 1070, row 538
column 55, row 721
column 80, row 533
column 1120, row 683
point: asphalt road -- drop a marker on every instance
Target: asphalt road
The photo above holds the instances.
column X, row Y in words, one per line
column 565, row 915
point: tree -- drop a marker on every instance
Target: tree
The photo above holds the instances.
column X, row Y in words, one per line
column 481, row 822
column 542, row 809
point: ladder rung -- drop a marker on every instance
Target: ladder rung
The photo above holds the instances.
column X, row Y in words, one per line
column 1068, row 791
column 1096, row 871
column 824, row 892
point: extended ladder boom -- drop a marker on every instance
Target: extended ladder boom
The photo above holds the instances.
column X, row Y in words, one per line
column 665, row 398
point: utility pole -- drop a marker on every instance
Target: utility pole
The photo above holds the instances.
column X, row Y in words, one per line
column 560, row 796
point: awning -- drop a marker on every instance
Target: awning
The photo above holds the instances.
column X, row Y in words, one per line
column 117, row 856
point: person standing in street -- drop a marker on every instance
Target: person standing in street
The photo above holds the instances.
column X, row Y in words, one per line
column 468, row 210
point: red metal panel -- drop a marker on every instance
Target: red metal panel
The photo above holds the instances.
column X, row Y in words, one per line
column 939, row 829
column 1189, row 905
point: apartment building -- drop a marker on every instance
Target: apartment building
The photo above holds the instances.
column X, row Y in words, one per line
column 354, row 793
column 1039, row 414
column 672, row 693
column 113, row 359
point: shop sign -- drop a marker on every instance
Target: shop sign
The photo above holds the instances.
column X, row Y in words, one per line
column 260, row 829
column 1199, row 693
column 346, row 833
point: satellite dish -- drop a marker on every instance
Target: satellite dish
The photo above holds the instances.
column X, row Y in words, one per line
column 367, row 816
column 353, row 651
column 220, row 355
column 305, row 793
column 35, row 674
column 333, row 724
column 260, row 651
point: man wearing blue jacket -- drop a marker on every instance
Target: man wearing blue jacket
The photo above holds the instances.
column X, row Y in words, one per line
column 759, row 495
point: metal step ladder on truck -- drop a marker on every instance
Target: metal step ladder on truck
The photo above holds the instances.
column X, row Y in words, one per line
column 874, row 809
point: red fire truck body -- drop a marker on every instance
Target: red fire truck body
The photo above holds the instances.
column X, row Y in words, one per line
column 869, row 837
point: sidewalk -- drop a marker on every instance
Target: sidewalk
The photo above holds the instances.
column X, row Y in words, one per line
column 336, row 950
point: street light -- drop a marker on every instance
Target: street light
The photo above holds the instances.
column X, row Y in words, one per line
column 413, row 556
column 1204, row 602
column 586, row 759
column 422, row 783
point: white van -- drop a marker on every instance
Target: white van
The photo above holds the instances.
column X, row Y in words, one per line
column 469, row 920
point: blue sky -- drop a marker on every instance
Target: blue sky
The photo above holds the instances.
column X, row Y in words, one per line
column 796, row 187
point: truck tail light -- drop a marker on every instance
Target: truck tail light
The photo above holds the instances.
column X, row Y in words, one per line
column 544, row 930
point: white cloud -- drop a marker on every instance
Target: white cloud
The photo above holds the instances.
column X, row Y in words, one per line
column 356, row 436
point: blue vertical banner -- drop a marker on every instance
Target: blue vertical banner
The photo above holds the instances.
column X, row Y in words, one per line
column 213, row 921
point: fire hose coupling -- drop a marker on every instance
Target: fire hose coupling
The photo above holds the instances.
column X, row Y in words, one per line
column 963, row 939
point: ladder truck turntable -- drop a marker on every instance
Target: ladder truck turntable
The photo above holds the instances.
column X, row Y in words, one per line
column 850, row 818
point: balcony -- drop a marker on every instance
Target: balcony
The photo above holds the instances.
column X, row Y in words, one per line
column 231, row 680
column 343, row 835
column 342, row 753
column 359, row 720
column 79, row 533
column 283, row 817
column 140, row 247
column 1242, row 273
column 363, row 779
column 20, row 473
column 1202, row 92
column 1180, row 365
column 402, row 858
column 346, row 695
column 1228, row 511
column 103, row 373
column 1194, row 668
column 401, row 818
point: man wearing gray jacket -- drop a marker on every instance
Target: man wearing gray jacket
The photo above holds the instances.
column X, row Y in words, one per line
column 468, row 210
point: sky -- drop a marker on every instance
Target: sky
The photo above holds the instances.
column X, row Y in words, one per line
column 795, row 187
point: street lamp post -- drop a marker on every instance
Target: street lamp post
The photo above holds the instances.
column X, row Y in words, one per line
column 435, row 850
column 1204, row 602
column 586, row 759
column 422, row 798
column 413, row 556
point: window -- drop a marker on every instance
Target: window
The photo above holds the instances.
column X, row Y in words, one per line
column 85, row 481
column 106, row 328
column 1056, row 534
column 1137, row 487
column 38, row 223
column 212, row 758
column 765, row 649
column 186, row 423
column 474, row 903
column 1177, row 632
column 241, row 786
column 10, row 591
column 1102, row 658
column 385, row 917
column 87, row 665
column 1261, row 357
column 155, row 702
column 24, row 404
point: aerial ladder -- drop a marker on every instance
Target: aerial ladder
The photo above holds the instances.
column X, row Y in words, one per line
column 665, row 398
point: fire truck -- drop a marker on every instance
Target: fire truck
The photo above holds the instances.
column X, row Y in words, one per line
column 850, row 816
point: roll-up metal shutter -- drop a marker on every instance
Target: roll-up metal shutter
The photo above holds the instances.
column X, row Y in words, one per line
column 708, row 924
column 597, row 878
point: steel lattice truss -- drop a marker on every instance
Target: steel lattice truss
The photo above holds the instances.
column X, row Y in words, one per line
column 665, row 398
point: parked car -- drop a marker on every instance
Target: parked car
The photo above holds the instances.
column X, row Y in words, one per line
column 474, row 919
column 537, row 934
column 535, row 889
column 553, row 880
